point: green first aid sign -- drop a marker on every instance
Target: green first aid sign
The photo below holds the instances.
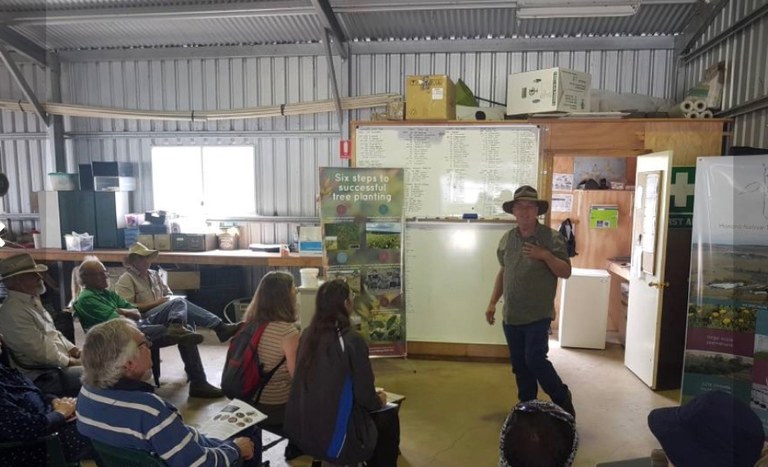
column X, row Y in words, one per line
column 681, row 197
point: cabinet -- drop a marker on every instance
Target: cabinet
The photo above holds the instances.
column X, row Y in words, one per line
column 101, row 214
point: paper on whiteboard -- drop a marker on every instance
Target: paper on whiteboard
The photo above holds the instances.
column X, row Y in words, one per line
column 562, row 182
column 562, row 203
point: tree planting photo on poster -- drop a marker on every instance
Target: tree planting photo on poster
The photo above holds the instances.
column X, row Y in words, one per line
column 361, row 214
column 361, row 211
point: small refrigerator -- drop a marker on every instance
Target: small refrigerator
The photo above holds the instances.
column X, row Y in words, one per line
column 584, row 308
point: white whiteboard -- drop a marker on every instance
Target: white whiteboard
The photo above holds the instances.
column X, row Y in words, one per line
column 451, row 170
column 450, row 269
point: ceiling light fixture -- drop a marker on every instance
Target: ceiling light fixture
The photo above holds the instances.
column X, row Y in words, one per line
column 531, row 10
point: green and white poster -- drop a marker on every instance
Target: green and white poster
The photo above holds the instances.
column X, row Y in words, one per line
column 727, row 337
column 361, row 213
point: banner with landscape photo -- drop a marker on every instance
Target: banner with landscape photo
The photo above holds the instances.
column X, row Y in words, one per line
column 727, row 335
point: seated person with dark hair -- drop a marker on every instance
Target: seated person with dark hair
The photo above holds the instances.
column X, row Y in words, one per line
column 26, row 415
column 538, row 434
column 714, row 429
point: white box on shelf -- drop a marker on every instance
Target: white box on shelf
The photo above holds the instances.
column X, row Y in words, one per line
column 550, row 90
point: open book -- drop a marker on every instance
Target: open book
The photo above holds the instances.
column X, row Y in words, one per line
column 231, row 419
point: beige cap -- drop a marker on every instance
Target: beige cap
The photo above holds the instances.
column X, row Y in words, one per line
column 141, row 250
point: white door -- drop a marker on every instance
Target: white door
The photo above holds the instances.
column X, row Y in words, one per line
column 646, row 283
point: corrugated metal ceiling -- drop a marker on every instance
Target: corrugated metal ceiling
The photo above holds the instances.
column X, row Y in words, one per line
column 87, row 24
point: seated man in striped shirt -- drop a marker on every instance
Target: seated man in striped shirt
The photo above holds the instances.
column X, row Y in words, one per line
column 117, row 408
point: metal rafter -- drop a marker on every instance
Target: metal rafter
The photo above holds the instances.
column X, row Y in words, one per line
column 706, row 12
column 215, row 10
column 328, row 17
column 23, row 45
column 28, row 93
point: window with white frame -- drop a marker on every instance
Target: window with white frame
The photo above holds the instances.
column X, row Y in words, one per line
column 204, row 181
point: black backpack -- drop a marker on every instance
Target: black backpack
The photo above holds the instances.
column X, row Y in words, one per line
column 566, row 229
column 243, row 376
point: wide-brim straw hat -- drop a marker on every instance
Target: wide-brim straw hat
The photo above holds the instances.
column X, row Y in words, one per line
column 526, row 193
column 22, row 263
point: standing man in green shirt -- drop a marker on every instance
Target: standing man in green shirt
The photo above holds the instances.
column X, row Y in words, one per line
column 532, row 257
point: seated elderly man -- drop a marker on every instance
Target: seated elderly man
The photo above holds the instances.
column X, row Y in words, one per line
column 117, row 408
column 96, row 304
column 143, row 286
column 29, row 331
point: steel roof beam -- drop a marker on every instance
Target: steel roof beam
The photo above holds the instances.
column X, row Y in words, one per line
column 706, row 12
column 545, row 44
column 25, row 88
column 23, row 45
column 328, row 17
column 90, row 15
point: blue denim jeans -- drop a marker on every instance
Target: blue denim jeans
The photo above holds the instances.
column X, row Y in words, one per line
column 528, row 348
column 179, row 309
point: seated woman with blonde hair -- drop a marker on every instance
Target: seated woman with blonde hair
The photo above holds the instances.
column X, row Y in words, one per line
column 275, row 303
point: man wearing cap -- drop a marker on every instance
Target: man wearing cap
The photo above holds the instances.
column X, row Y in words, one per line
column 143, row 286
column 97, row 304
column 532, row 256
column 29, row 332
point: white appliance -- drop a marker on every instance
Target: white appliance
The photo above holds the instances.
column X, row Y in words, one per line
column 584, row 308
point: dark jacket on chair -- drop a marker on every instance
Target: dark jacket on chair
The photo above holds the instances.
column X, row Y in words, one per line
column 327, row 414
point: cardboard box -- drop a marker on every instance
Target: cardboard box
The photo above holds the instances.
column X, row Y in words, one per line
column 549, row 90
column 465, row 112
column 180, row 279
column 162, row 242
column 430, row 97
column 193, row 242
column 147, row 240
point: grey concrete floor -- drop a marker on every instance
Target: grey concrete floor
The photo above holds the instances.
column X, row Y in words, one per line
column 453, row 410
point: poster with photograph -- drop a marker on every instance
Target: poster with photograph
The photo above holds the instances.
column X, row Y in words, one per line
column 727, row 332
column 361, row 214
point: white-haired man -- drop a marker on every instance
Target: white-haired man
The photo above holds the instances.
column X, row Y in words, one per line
column 116, row 407
column 29, row 331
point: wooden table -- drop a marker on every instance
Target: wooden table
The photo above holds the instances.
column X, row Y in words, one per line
column 203, row 258
column 209, row 258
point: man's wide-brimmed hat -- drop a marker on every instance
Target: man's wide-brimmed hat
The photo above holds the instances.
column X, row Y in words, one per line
column 712, row 429
column 526, row 193
column 19, row 264
column 141, row 250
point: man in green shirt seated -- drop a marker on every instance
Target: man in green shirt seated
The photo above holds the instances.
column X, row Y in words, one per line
column 97, row 304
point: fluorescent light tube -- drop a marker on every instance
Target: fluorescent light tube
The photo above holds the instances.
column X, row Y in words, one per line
column 575, row 11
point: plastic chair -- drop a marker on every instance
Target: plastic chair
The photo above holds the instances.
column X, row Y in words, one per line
column 113, row 456
column 50, row 443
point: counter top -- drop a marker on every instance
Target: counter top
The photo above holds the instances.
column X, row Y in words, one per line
column 213, row 257
column 619, row 268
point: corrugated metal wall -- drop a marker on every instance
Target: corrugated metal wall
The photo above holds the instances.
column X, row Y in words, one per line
column 289, row 150
column 23, row 147
column 742, row 45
